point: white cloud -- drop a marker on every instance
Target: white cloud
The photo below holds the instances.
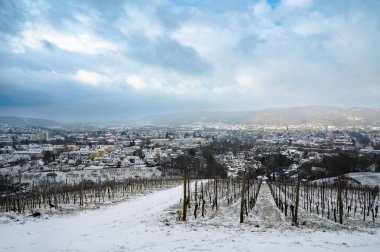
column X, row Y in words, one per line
column 136, row 82
column 261, row 9
column 221, row 90
column 252, row 82
column 140, row 21
column 298, row 3
column 91, row 78
column 209, row 40
column 72, row 39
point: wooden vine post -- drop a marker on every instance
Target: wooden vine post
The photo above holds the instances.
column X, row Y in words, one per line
column 242, row 199
column 184, row 195
column 297, row 201
column 216, row 192
column 340, row 202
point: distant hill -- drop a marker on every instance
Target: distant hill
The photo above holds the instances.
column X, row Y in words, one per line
column 277, row 116
column 313, row 114
column 12, row 120
column 185, row 118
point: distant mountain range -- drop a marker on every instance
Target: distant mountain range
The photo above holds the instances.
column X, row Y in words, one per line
column 276, row 116
column 13, row 121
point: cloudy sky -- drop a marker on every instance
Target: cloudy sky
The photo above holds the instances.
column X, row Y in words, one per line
column 114, row 60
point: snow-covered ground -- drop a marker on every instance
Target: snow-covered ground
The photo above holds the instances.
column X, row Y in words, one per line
column 364, row 178
column 148, row 223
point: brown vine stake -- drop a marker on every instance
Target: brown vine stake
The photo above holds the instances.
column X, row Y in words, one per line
column 297, row 201
column 340, row 202
column 195, row 210
column 216, row 193
column 184, row 198
column 196, row 190
column 188, row 190
column 19, row 193
column 228, row 192
column 242, row 199
column 286, row 203
column 203, row 207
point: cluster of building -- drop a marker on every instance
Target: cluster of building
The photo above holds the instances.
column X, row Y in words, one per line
column 32, row 149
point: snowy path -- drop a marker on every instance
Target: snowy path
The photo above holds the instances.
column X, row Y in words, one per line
column 136, row 225
column 267, row 215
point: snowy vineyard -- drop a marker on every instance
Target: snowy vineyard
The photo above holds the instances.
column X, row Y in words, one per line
column 340, row 202
column 52, row 194
column 320, row 204
column 211, row 197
